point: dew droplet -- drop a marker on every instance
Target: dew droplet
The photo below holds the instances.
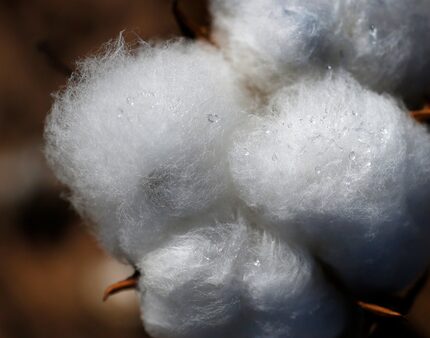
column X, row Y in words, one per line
column 130, row 101
column 373, row 31
column 120, row 113
column 257, row 262
column 329, row 68
column 246, row 152
column 213, row 118
column 147, row 93
column 352, row 155
column 318, row 170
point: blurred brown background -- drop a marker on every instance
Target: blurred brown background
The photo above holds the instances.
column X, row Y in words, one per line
column 52, row 272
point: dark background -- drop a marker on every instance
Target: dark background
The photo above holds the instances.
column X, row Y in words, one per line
column 52, row 272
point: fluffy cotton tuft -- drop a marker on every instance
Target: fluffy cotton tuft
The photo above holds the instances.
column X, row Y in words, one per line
column 140, row 138
column 235, row 209
column 272, row 43
column 227, row 280
column 344, row 170
column 384, row 43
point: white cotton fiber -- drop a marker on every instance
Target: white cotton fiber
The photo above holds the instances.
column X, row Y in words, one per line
column 270, row 41
column 344, row 170
column 140, row 138
column 286, row 293
column 227, row 280
column 189, row 287
column 384, row 43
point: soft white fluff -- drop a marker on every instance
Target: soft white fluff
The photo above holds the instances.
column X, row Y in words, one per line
column 140, row 139
column 384, row 43
column 286, row 293
column 158, row 151
column 348, row 171
column 270, row 42
column 227, row 280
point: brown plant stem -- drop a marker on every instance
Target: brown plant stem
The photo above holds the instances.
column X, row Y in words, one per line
column 422, row 115
column 129, row 283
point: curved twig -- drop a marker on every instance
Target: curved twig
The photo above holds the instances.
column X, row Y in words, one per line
column 422, row 115
column 129, row 283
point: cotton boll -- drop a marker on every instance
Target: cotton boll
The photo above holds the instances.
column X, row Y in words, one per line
column 337, row 167
column 140, row 137
column 271, row 42
column 385, row 43
column 190, row 287
column 287, row 293
column 228, row 280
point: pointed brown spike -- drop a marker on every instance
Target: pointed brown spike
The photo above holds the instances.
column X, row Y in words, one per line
column 379, row 310
column 126, row 284
column 422, row 115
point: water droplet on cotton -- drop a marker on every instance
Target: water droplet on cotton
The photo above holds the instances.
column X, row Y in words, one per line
column 352, row 155
column 257, row 262
column 213, row 118
column 373, row 32
column 246, row 152
column 383, row 134
column 130, row 101
column 318, row 170
column 147, row 93
column 329, row 68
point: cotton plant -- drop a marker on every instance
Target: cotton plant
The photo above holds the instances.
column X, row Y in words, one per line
column 262, row 183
